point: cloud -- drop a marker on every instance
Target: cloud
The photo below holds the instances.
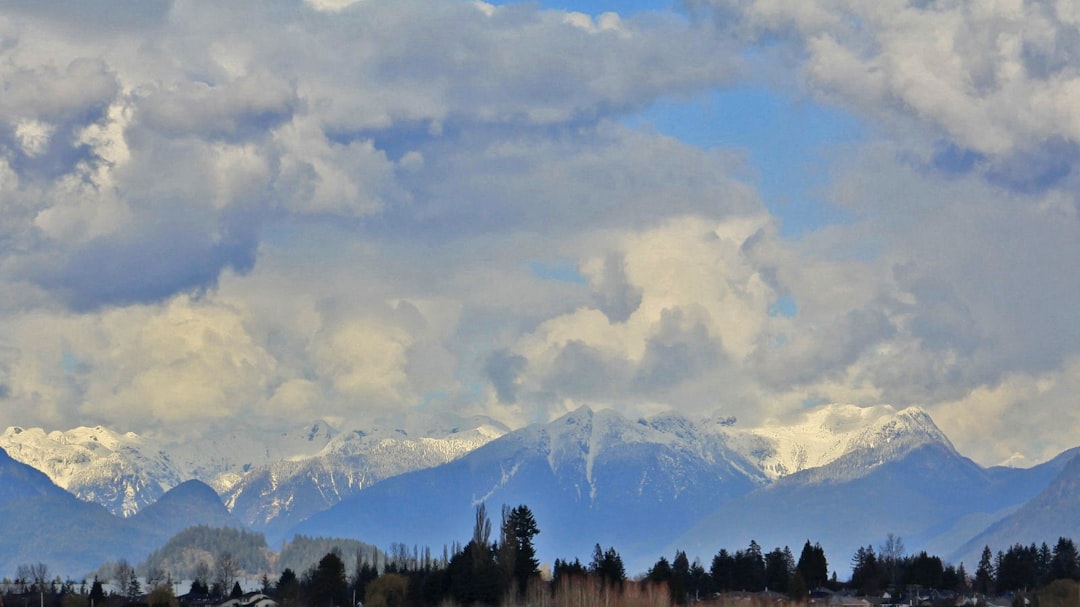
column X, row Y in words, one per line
column 998, row 79
column 177, row 362
column 345, row 205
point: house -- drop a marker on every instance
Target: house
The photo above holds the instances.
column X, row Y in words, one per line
column 250, row 599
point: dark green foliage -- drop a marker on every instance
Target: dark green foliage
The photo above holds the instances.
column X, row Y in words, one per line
column 364, row 574
column 722, row 571
column 474, row 575
column 1065, row 562
column 985, row 575
column 1017, row 568
column 778, row 569
column 237, row 591
column 325, row 584
column 519, row 529
column 607, row 565
column 287, row 589
column 565, row 569
column 813, row 566
column 97, row 592
column 660, row 573
column 924, row 570
column 684, row 581
column 951, row 579
column 183, row 554
column 865, row 571
column 797, row 589
column 199, row 587
column 304, row 552
column 749, row 569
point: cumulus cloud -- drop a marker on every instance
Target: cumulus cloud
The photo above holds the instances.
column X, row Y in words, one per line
column 996, row 77
column 349, row 207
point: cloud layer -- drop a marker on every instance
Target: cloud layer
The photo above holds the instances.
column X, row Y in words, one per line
column 262, row 211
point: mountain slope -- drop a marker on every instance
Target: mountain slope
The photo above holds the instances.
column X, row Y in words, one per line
column 44, row 523
column 115, row 470
column 189, row 503
column 277, row 496
column 902, row 476
column 126, row 472
column 1053, row 513
column 588, row 477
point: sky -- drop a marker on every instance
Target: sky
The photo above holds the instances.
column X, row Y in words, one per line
column 236, row 214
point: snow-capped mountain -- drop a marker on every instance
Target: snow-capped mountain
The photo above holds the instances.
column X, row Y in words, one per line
column 830, row 432
column 277, row 496
column 841, row 475
column 588, row 476
column 125, row 471
column 118, row 471
column 288, row 473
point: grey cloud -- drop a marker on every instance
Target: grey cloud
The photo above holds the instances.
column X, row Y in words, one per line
column 503, row 369
column 680, row 350
column 991, row 78
column 77, row 92
column 613, row 294
column 247, row 107
column 824, row 351
column 581, row 371
column 608, row 176
column 162, row 260
column 508, row 102
column 94, row 16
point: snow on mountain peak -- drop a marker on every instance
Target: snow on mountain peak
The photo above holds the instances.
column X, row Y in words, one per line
column 828, row 432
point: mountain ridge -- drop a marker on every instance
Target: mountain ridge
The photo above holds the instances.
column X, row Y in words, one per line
column 679, row 483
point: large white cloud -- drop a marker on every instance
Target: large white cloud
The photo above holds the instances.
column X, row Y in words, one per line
column 995, row 76
column 333, row 209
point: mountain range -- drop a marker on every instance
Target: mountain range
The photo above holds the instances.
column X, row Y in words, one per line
column 843, row 476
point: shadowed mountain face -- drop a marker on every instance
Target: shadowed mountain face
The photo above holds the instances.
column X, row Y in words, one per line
column 44, row 523
column 1052, row 514
column 645, row 487
column 650, row 488
column 588, row 477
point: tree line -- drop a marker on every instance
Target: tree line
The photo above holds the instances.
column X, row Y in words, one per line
column 502, row 568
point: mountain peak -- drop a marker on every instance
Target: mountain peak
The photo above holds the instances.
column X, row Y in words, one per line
column 828, row 432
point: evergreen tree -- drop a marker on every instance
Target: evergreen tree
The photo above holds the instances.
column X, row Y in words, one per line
column 722, row 571
column 680, row 578
column 1017, row 568
column 797, row 589
column 237, row 591
column 777, row 571
column 287, row 589
column 985, row 574
column 519, row 529
column 474, row 575
column 865, row 571
column 326, row 585
column 925, row 570
column 565, row 569
column 365, row 574
column 97, row 591
column 700, row 583
column 813, row 566
column 608, row 566
column 1065, row 562
column 749, row 569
